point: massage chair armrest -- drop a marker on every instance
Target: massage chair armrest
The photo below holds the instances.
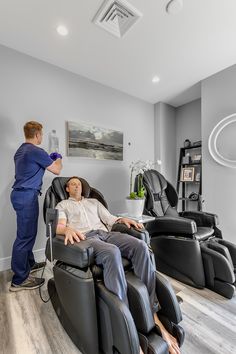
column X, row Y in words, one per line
column 201, row 218
column 141, row 234
column 80, row 254
column 176, row 226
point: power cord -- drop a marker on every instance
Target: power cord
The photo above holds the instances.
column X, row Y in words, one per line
column 40, row 291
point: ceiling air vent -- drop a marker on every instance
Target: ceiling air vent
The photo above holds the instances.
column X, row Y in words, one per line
column 116, row 17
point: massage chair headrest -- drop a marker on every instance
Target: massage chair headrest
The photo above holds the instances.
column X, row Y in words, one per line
column 57, row 192
column 59, row 188
column 155, row 183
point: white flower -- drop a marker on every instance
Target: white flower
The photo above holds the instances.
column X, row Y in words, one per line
column 139, row 167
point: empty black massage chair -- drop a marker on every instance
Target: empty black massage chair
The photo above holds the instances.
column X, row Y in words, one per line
column 188, row 245
column 94, row 318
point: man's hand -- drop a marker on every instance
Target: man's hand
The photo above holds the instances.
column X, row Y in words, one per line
column 55, row 155
column 130, row 222
column 72, row 235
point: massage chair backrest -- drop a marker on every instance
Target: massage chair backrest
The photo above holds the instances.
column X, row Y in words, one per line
column 57, row 192
column 161, row 197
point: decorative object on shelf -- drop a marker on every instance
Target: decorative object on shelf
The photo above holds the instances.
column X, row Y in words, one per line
column 197, row 143
column 187, row 174
column 193, row 196
column 198, row 176
column 187, row 143
column 196, row 158
column 85, row 140
column 186, row 159
column 212, row 142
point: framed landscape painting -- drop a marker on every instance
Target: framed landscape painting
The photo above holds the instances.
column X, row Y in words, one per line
column 86, row 140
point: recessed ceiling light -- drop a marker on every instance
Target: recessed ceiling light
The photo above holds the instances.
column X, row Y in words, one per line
column 174, row 6
column 155, row 79
column 62, row 30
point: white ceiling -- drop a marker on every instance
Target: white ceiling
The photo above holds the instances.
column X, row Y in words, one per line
column 181, row 49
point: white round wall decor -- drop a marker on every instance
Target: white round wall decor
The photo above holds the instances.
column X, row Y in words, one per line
column 212, row 142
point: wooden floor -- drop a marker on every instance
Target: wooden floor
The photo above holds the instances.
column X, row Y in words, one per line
column 29, row 326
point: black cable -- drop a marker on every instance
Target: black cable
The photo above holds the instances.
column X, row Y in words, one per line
column 40, row 292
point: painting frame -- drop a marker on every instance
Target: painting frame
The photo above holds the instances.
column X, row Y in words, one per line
column 187, row 174
column 87, row 140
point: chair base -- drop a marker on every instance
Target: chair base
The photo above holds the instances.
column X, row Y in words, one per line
column 180, row 258
column 210, row 263
column 73, row 299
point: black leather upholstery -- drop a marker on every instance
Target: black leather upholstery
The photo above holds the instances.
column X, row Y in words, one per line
column 108, row 325
column 57, row 192
column 188, row 245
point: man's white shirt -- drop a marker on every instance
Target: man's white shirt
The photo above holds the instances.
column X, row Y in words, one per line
column 85, row 215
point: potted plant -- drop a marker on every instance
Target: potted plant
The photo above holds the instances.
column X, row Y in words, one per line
column 135, row 200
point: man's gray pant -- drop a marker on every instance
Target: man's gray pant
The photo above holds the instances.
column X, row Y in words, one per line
column 109, row 247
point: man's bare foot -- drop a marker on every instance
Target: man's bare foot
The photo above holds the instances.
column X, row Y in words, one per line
column 170, row 340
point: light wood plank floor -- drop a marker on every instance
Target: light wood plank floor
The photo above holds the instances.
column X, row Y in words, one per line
column 28, row 326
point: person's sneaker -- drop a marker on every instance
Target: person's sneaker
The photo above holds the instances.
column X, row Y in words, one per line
column 37, row 266
column 28, row 284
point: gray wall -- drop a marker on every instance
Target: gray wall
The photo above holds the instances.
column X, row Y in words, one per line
column 219, row 182
column 31, row 89
column 165, row 140
column 188, row 126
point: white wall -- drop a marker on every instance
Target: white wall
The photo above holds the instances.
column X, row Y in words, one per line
column 165, row 140
column 219, row 182
column 34, row 90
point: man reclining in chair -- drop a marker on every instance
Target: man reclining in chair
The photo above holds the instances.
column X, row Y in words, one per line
column 86, row 218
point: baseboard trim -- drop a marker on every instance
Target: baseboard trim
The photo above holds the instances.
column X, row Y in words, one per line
column 5, row 263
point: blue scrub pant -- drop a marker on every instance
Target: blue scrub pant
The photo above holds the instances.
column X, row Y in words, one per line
column 109, row 247
column 25, row 204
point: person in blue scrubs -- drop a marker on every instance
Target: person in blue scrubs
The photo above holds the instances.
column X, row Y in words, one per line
column 30, row 164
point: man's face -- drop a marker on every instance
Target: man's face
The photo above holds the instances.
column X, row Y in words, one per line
column 74, row 188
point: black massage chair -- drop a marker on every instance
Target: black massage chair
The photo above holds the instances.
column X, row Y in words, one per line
column 94, row 318
column 188, row 245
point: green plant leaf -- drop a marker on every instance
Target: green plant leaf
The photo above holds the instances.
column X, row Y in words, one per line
column 141, row 192
column 133, row 195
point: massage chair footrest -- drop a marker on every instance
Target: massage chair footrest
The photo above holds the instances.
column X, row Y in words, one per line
column 153, row 344
column 218, row 267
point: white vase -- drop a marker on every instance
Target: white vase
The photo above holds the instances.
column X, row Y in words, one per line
column 135, row 207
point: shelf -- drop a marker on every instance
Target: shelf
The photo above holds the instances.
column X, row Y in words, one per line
column 189, row 181
column 189, row 199
column 192, row 147
column 184, row 188
column 191, row 164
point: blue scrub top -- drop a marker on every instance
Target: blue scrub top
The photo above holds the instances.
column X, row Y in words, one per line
column 30, row 164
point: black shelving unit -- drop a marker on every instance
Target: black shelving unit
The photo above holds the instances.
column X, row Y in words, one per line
column 183, row 187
